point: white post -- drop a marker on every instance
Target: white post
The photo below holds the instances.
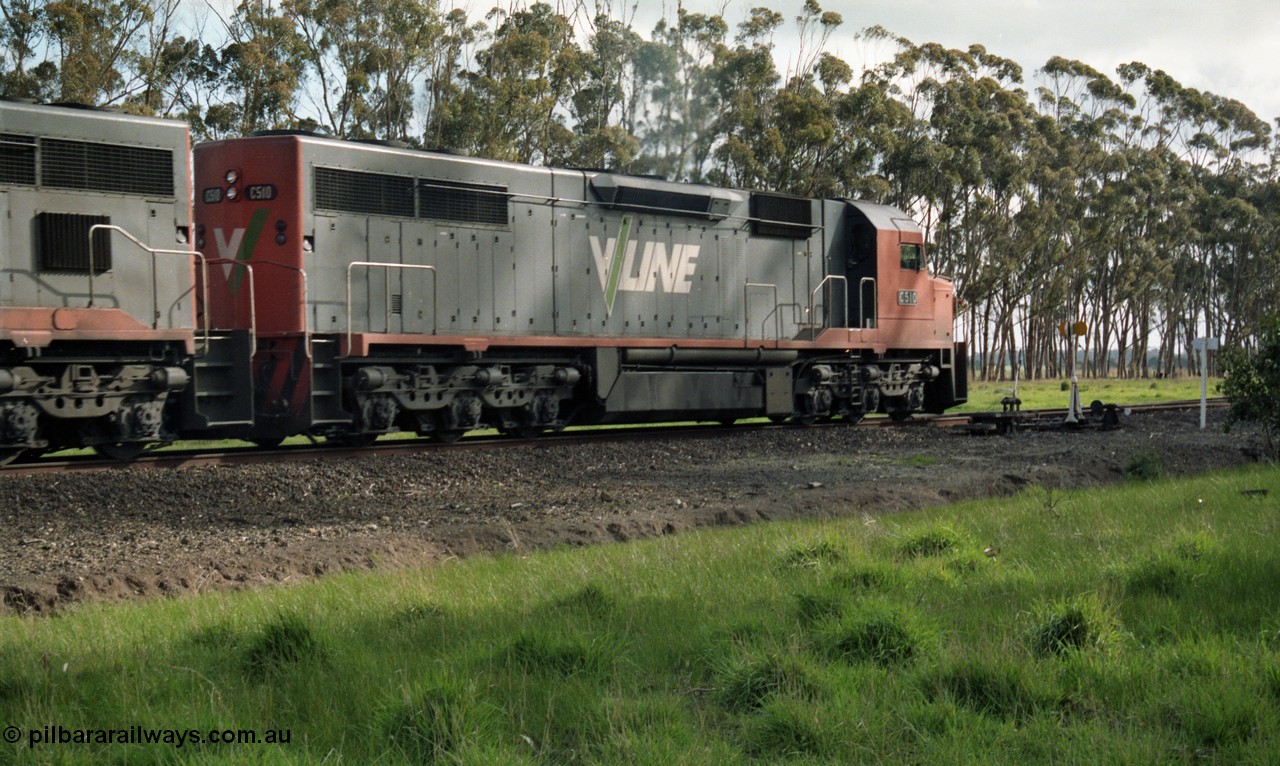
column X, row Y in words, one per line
column 1204, row 346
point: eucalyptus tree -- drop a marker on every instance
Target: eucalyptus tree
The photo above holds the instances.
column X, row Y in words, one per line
column 24, row 73
column 364, row 57
column 511, row 103
column 683, row 102
column 251, row 81
column 604, row 103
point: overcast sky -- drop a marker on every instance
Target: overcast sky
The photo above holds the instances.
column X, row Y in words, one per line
column 1227, row 47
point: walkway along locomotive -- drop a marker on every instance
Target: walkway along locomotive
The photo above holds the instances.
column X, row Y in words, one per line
column 347, row 290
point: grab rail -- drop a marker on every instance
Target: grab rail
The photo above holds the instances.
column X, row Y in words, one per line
column 153, row 251
column 830, row 278
column 253, row 303
column 874, row 301
column 435, row 292
column 746, row 311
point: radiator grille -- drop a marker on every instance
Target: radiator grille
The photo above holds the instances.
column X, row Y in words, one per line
column 106, row 167
column 348, row 191
column 17, row 159
column 467, row 203
column 64, row 242
column 777, row 215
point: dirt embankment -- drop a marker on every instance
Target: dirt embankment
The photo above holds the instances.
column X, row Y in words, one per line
column 135, row 533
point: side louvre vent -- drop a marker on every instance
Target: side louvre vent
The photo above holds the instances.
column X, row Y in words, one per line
column 467, row 203
column 63, row 243
column 17, row 159
column 349, row 191
column 106, row 167
column 777, row 215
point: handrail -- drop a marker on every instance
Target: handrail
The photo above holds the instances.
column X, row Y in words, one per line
column 435, row 292
column 875, row 305
column 153, row 251
column 813, row 296
column 253, row 303
column 795, row 307
column 746, row 312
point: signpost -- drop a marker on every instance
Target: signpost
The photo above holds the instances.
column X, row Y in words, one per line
column 1204, row 346
column 1073, row 330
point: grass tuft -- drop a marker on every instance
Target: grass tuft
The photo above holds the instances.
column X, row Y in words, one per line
column 884, row 637
column 934, row 541
column 1161, row 575
column 540, row 652
column 788, row 729
column 1144, row 466
column 286, row 641
column 746, row 684
column 997, row 689
column 434, row 725
column 817, row 606
column 811, row 556
column 1065, row 626
column 591, row 599
column 873, row 578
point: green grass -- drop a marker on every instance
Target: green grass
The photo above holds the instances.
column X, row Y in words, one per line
column 1134, row 625
column 1045, row 394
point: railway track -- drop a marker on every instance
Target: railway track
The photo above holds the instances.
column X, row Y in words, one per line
column 189, row 458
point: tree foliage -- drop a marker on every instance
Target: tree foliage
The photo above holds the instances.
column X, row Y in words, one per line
column 1147, row 208
column 1252, row 385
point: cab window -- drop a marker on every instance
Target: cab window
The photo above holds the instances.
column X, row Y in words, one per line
column 912, row 257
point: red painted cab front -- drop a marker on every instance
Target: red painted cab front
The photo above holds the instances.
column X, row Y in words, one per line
column 248, row 214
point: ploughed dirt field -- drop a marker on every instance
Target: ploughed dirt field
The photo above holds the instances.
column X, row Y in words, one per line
column 123, row 534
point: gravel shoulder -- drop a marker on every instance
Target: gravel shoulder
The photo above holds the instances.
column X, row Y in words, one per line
column 125, row 534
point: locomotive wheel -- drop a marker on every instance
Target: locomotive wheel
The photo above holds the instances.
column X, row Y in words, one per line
column 9, row 454
column 120, row 450
column 268, row 442
column 900, row 416
column 804, row 420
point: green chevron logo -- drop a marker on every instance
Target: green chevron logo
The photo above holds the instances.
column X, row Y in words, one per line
column 625, row 265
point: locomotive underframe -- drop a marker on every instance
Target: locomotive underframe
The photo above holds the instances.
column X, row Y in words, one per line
column 444, row 393
column 117, row 398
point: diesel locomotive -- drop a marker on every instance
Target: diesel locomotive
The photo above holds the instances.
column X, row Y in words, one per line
column 288, row 284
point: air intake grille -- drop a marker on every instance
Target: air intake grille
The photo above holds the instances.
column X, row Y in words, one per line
column 64, row 242
column 347, row 191
column 777, row 215
column 17, row 159
column 468, row 203
column 106, row 167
